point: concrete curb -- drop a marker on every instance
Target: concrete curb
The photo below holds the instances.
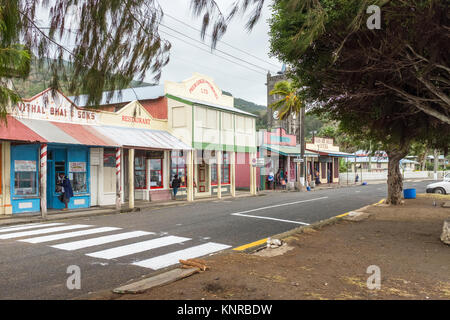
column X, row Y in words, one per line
column 315, row 226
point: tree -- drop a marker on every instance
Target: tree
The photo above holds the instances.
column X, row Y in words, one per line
column 113, row 42
column 290, row 102
column 389, row 85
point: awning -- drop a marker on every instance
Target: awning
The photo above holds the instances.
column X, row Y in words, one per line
column 89, row 135
column 329, row 153
column 288, row 151
column 142, row 138
column 14, row 130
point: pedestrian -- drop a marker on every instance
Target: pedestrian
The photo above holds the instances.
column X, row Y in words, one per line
column 175, row 185
column 66, row 189
column 356, row 178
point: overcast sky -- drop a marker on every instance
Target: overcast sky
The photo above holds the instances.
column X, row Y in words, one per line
column 186, row 59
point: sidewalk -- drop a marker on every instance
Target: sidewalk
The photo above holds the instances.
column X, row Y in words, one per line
column 330, row 260
column 140, row 205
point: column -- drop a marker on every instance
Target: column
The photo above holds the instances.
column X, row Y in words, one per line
column 288, row 172
column 233, row 173
column 131, row 178
column 118, row 180
column 190, row 176
column 43, row 179
column 219, row 173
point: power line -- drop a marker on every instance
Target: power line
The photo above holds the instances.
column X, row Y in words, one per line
column 241, row 65
column 218, row 50
column 231, row 46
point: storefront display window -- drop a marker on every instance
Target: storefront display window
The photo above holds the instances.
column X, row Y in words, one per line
column 25, row 178
column 139, row 171
column 178, row 166
column 225, row 170
column 77, row 176
column 109, row 158
column 156, row 172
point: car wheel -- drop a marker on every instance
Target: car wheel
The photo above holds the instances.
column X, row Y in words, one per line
column 439, row 190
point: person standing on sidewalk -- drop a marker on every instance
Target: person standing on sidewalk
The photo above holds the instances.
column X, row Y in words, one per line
column 67, row 191
column 175, row 185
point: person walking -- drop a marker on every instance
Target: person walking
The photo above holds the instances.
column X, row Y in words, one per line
column 175, row 185
column 66, row 190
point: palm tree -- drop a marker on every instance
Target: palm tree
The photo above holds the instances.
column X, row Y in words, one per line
column 290, row 103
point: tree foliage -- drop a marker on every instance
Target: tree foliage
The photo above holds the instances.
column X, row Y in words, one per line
column 390, row 86
column 111, row 43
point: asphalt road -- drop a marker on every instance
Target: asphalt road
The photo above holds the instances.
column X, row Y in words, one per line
column 154, row 239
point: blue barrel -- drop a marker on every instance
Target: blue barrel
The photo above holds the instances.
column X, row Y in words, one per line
column 308, row 188
column 409, row 193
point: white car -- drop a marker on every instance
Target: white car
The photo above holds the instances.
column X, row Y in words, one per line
column 442, row 187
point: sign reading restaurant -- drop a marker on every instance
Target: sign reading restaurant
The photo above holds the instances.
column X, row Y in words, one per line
column 53, row 106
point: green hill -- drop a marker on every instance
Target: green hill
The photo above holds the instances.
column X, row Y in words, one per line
column 40, row 77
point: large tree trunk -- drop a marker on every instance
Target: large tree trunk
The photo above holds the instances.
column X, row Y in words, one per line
column 395, row 179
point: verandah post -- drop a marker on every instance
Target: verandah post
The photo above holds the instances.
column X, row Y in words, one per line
column 118, row 180
column 43, row 179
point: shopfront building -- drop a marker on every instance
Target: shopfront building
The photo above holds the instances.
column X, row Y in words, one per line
column 326, row 168
column 47, row 136
column 281, row 155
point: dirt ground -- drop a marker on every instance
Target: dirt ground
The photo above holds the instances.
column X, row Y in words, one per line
column 330, row 262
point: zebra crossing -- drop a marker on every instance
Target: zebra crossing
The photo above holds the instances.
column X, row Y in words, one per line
column 64, row 236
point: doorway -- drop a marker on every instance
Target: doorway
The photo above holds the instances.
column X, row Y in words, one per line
column 94, row 185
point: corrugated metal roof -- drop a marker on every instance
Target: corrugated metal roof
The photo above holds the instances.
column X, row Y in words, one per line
column 95, row 135
column 14, row 130
column 125, row 95
column 288, row 151
column 143, row 138
column 217, row 106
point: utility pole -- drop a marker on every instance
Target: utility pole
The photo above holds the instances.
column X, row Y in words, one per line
column 436, row 160
column 302, row 149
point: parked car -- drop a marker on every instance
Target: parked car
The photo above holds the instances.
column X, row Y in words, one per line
column 442, row 187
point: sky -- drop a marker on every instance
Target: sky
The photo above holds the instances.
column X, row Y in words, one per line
column 243, row 74
column 186, row 59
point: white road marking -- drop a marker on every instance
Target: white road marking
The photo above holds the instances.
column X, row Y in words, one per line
column 269, row 218
column 41, row 231
column 173, row 257
column 28, row 226
column 279, row 205
column 358, row 191
column 137, row 247
column 68, row 235
column 69, row 246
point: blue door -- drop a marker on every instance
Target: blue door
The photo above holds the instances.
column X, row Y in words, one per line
column 57, row 164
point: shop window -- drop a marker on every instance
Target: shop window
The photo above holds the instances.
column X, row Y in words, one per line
column 78, row 176
column 25, row 176
column 225, row 179
column 139, row 171
column 156, row 173
column 178, row 166
column 25, row 183
column 109, row 158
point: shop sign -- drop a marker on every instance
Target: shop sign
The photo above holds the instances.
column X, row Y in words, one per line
column 77, row 166
column 24, row 166
column 298, row 160
column 54, row 108
column 258, row 162
column 155, row 155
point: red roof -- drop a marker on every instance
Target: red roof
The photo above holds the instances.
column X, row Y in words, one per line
column 15, row 130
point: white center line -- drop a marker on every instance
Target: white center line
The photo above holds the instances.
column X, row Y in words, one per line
column 279, row 205
column 269, row 218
